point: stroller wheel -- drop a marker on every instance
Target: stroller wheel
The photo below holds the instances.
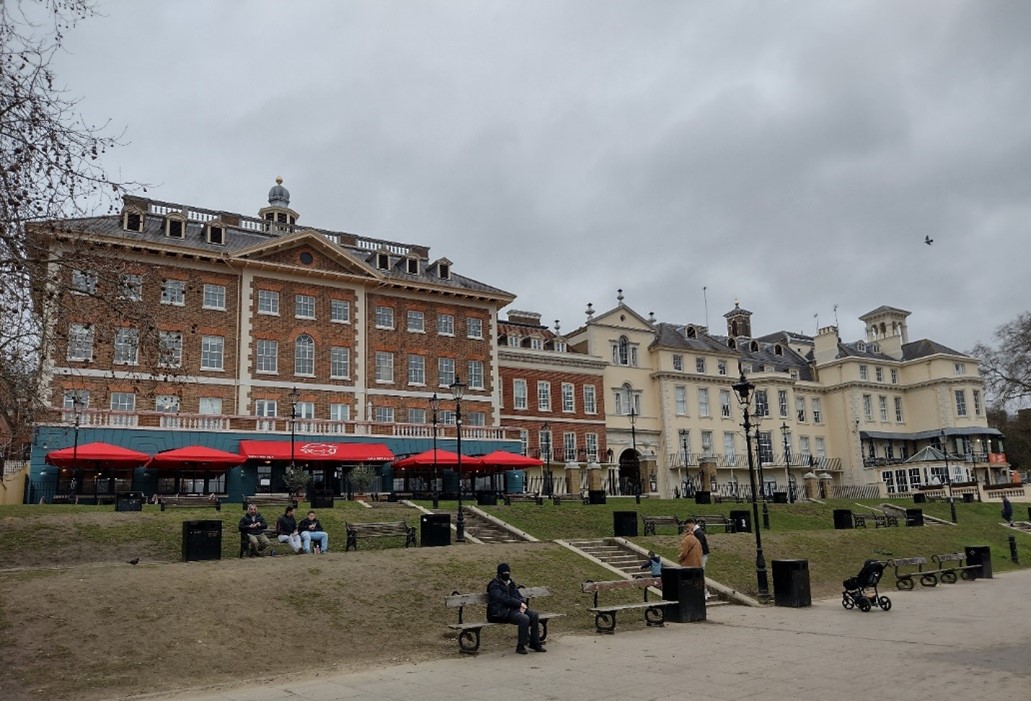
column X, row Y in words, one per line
column 864, row 604
column 885, row 603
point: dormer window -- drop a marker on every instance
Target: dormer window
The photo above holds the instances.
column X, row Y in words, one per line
column 133, row 221
column 383, row 261
column 861, row 346
column 216, row 234
column 691, row 333
column 413, row 266
column 731, row 343
column 175, row 227
column 777, row 350
column 444, row 270
column 754, row 347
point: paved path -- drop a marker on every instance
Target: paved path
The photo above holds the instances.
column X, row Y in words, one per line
column 966, row 640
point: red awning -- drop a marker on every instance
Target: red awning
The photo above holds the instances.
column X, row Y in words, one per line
column 444, row 458
column 507, row 460
column 195, row 457
column 97, row 456
column 317, row 452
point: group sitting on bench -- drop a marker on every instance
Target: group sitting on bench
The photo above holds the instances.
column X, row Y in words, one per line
column 307, row 536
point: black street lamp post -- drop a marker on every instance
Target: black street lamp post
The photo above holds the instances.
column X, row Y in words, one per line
column 637, row 461
column 75, row 444
column 548, row 485
column 434, row 405
column 687, row 478
column 293, row 419
column 786, row 430
column 948, row 476
column 457, row 390
column 744, row 389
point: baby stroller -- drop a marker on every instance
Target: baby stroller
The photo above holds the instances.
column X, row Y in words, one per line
column 856, row 595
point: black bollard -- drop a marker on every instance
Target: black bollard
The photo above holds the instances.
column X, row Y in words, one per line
column 1013, row 550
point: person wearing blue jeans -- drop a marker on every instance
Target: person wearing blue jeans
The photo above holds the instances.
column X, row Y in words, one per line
column 312, row 532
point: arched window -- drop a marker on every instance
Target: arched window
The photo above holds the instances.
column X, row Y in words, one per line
column 624, row 350
column 628, row 400
column 304, row 355
column 691, row 333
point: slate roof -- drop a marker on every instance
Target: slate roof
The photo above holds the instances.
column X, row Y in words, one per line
column 925, row 347
column 249, row 233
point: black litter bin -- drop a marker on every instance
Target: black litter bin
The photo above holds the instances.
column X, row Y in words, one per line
column 129, row 501
column 741, row 521
column 703, row 497
column 486, row 498
column 624, row 523
column 435, row 530
column 980, row 555
column 843, row 520
column 596, row 496
column 202, row 540
column 686, row 586
column 791, row 583
column 919, row 498
column 914, row 517
column 968, row 498
column 780, row 497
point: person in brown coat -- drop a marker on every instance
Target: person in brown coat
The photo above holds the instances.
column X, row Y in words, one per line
column 690, row 551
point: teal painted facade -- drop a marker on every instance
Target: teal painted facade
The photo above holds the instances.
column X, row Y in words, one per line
column 240, row 481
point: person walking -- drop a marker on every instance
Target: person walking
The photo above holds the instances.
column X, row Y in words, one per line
column 690, row 550
column 699, row 533
column 507, row 605
column 1007, row 511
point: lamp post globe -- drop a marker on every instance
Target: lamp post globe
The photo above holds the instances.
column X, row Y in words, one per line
column 457, row 391
column 744, row 390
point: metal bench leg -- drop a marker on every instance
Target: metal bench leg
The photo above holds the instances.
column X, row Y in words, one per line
column 605, row 622
column 469, row 641
column 655, row 616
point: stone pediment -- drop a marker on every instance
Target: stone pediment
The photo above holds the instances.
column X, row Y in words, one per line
column 310, row 250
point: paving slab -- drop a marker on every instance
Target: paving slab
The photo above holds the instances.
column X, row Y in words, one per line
column 963, row 640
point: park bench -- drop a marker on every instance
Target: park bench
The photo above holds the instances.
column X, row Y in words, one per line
column 605, row 616
column 469, row 631
column 557, row 499
column 378, row 530
column 652, row 522
column 190, row 502
column 527, row 496
column 947, row 572
column 904, row 580
column 270, row 533
column 879, row 520
column 261, row 500
column 720, row 520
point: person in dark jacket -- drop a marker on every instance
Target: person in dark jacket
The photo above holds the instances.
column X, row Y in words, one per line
column 286, row 530
column 253, row 526
column 312, row 532
column 507, row 605
column 1007, row 511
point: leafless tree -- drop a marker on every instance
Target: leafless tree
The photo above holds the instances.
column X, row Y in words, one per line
column 50, row 172
column 1006, row 366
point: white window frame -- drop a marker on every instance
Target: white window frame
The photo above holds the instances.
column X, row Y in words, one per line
column 304, row 356
column 568, row 391
column 173, row 292
column 123, row 401
column 214, row 297
column 126, row 346
column 445, row 324
column 130, row 287
column 262, row 358
column 725, row 410
column 304, row 307
column 678, row 362
column 519, row 394
column 340, row 362
column 445, row 371
column 212, row 353
column 474, row 378
column 415, row 321
column 268, row 302
column 339, row 311
column 679, row 400
column 417, row 370
column 703, row 401
column 384, row 367
column 384, row 317
column 543, row 395
column 473, row 328
column 590, row 399
column 170, row 349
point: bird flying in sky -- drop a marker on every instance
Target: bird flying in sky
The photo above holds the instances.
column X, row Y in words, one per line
column 928, row 240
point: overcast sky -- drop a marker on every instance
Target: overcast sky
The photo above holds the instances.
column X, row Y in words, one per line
column 792, row 155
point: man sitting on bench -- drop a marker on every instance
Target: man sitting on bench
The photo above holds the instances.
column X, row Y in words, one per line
column 507, row 605
column 253, row 526
column 312, row 531
column 286, row 530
